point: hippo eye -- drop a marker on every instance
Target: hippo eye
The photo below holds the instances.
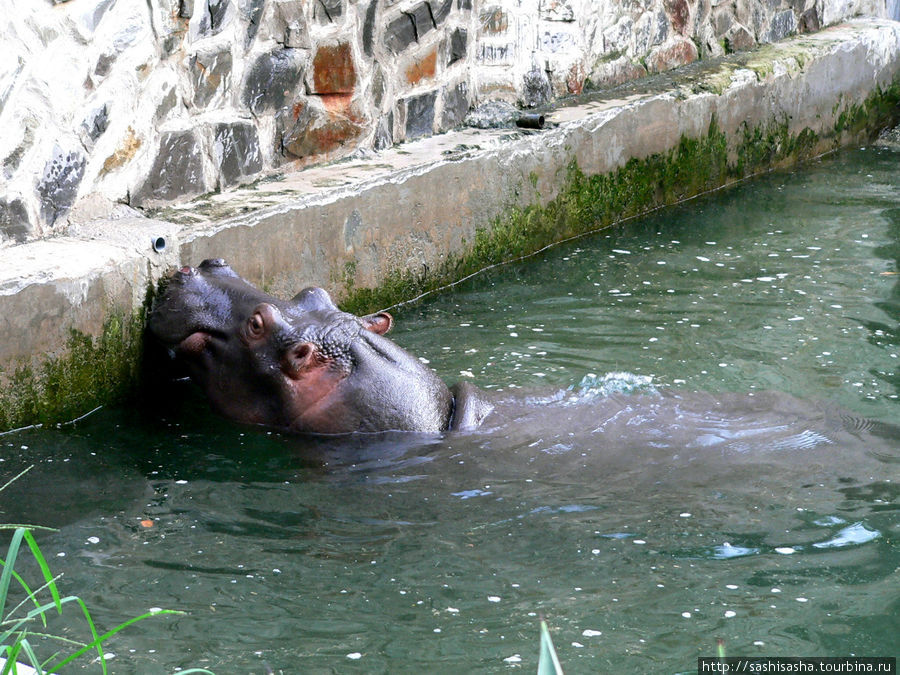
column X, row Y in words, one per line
column 256, row 326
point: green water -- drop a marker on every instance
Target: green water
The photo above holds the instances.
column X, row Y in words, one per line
column 646, row 492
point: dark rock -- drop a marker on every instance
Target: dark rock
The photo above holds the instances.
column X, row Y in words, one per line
column 328, row 11
column 420, row 115
column 368, row 35
column 104, row 64
column 379, row 86
column 216, row 15
column 440, row 10
column 236, row 150
column 809, row 21
column 210, row 73
column 272, row 79
column 456, row 105
column 13, row 159
column 96, row 122
column 459, row 41
column 783, row 24
column 58, row 187
column 422, row 19
column 253, row 13
column 661, row 32
column 464, row 5
column 177, row 170
column 384, row 132
column 492, row 115
column 168, row 102
column 739, row 39
column 217, row 12
column 400, row 33
column 186, row 9
column 333, row 71
column 536, row 88
column 14, row 221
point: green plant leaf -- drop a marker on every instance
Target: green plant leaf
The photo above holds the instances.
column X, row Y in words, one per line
column 45, row 568
column 548, row 663
column 8, row 565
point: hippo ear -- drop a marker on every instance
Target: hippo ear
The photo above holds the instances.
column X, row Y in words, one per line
column 300, row 359
column 313, row 298
column 379, row 323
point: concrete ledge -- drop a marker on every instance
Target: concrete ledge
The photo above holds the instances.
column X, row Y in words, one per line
column 411, row 209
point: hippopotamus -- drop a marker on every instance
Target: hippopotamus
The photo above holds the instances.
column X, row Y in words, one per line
column 301, row 364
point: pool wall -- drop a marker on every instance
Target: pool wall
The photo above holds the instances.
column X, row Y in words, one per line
column 381, row 227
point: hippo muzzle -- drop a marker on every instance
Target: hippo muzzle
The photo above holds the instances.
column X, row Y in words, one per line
column 301, row 364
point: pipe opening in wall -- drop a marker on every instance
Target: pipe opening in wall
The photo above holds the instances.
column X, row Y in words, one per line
column 158, row 244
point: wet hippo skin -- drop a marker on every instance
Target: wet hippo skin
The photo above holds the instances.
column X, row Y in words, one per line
column 301, row 364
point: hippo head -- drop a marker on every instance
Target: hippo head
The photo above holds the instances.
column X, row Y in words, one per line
column 301, row 364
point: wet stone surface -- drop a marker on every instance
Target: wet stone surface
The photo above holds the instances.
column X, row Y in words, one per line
column 420, row 115
column 272, row 78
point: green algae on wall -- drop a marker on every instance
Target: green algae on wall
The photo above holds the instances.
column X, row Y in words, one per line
column 91, row 371
column 589, row 203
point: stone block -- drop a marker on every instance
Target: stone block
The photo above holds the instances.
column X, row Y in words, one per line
column 400, row 33
column 739, row 39
column 319, row 132
column 810, row 22
column 333, row 70
column 58, row 186
column 272, row 79
column 236, row 151
column 678, row 52
column 252, row 11
column 783, row 24
column 679, row 12
column 456, row 106
column 556, row 10
column 368, row 33
column 611, row 73
column 328, row 11
column 440, row 10
column 15, row 224
column 423, row 68
column 215, row 15
column 177, row 170
column 95, row 123
column 422, row 19
column 384, row 132
column 288, row 24
column 420, row 115
column 459, row 41
column 464, row 5
column 536, row 88
column 210, row 76
column 494, row 20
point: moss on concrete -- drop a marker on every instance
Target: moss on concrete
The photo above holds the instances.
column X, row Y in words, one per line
column 590, row 203
column 91, row 371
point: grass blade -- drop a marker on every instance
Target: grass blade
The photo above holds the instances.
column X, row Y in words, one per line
column 45, row 568
column 548, row 663
column 8, row 565
column 102, row 638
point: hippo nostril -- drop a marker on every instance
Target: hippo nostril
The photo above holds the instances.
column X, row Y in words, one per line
column 214, row 262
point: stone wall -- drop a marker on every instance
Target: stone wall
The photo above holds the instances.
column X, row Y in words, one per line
column 107, row 105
